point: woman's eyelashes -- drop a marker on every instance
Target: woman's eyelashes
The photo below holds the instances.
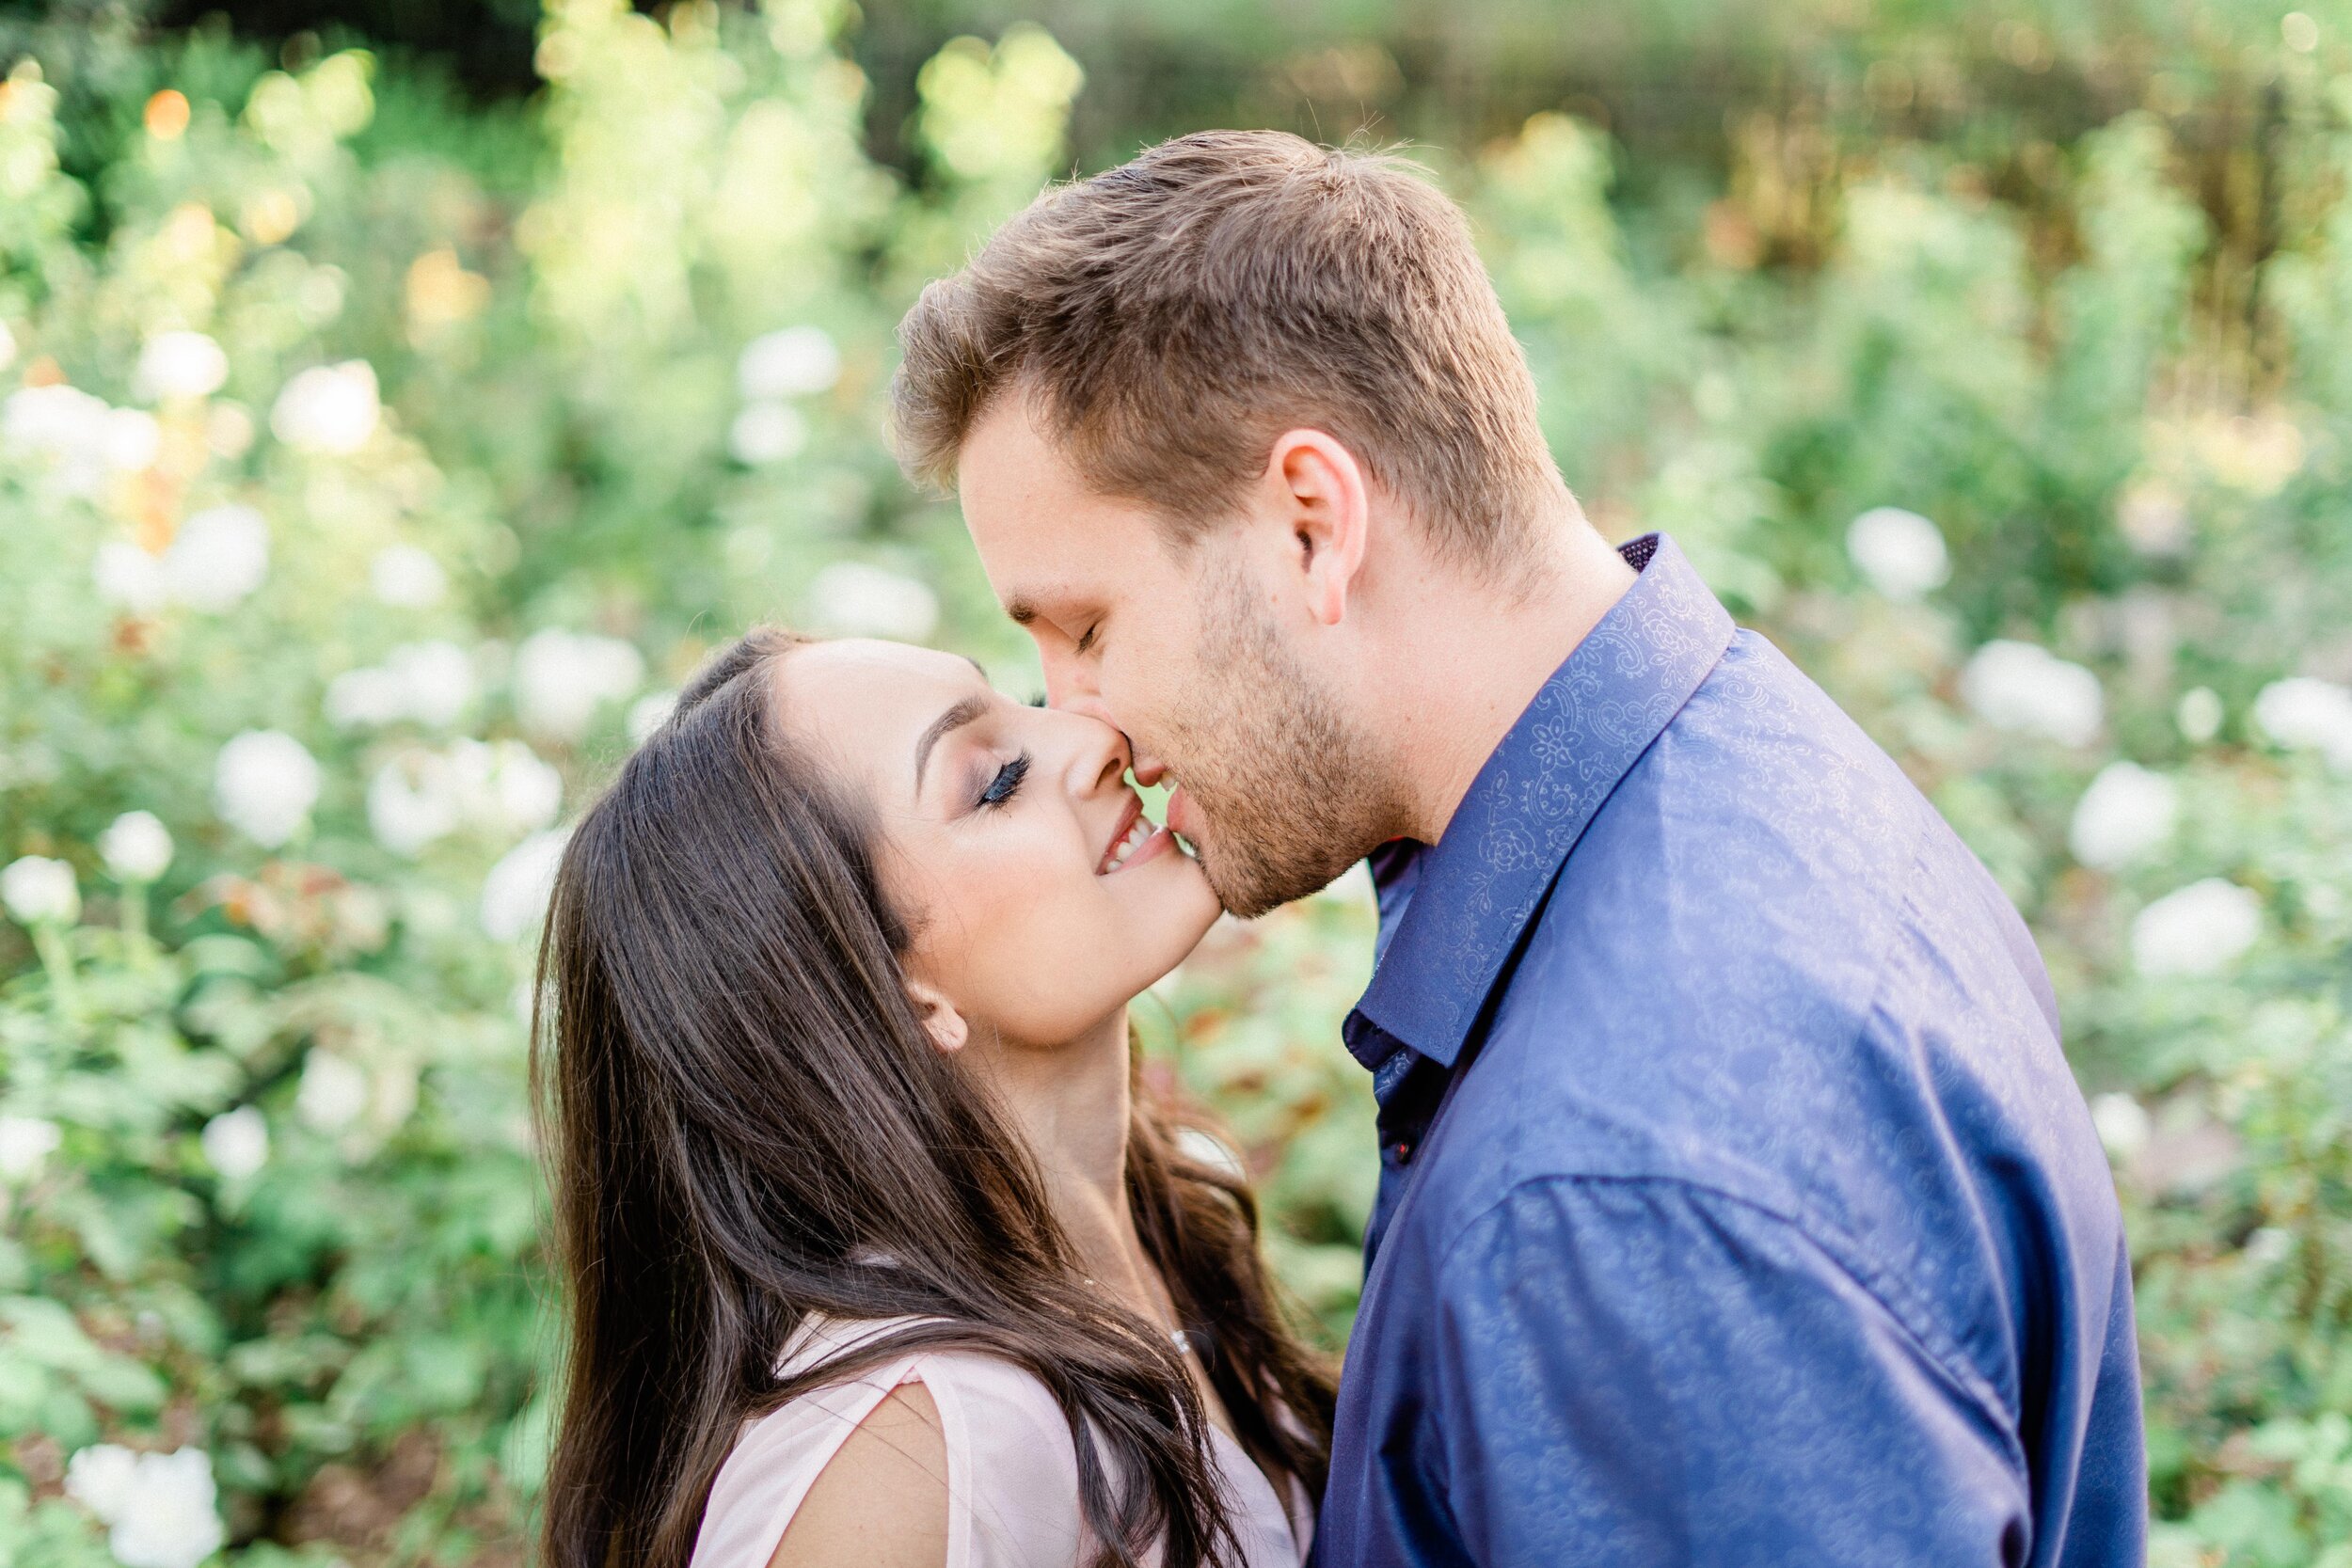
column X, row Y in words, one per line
column 1007, row 783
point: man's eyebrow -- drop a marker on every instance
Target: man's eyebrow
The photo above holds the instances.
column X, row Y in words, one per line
column 962, row 713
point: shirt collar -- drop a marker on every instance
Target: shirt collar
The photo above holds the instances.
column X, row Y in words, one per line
column 1479, row 884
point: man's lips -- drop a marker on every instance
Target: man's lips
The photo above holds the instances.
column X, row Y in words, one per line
column 1181, row 818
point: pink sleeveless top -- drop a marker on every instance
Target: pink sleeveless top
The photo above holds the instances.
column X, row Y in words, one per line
column 1013, row 1473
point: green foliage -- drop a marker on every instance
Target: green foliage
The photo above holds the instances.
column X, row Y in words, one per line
column 528, row 411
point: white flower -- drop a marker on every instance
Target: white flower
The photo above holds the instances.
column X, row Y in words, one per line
column 412, row 800
column 220, row 556
column 229, row 430
column 2126, row 812
column 39, row 891
column 328, row 408
column 128, row 575
column 7, row 346
column 766, row 433
column 2309, row 715
column 2198, row 930
column 525, row 791
column 2123, row 1124
column 368, row 695
column 436, row 678
column 65, row 425
column 25, row 1144
column 1900, row 553
column 163, row 1509
column 791, row 363
column 515, row 894
column 136, row 846
column 236, row 1143
column 179, row 365
column 332, row 1093
column 2020, row 685
column 850, row 599
column 648, row 713
column 561, row 677
column 131, row 439
column 101, row 1478
column 264, row 786
column 2198, row 714
column 432, row 683
column 2269, row 1247
column 407, row 577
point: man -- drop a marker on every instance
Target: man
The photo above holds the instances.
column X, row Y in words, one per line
column 1737, row 1203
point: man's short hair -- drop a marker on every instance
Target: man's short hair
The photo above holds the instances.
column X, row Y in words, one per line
column 1170, row 317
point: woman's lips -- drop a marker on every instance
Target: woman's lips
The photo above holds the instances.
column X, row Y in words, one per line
column 1147, row 840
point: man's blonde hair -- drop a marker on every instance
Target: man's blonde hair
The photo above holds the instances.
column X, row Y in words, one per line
column 1170, row 317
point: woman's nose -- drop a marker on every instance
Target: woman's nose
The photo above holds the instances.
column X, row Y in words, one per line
column 1101, row 757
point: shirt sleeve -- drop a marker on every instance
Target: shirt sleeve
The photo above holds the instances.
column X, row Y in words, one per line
column 1636, row 1372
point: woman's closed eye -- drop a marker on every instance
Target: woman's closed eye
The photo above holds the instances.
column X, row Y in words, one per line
column 1007, row 783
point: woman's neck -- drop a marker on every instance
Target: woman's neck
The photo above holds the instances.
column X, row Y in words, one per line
column 1071, row 1106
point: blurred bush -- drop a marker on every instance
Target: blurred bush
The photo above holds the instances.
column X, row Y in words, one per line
column 371, row 467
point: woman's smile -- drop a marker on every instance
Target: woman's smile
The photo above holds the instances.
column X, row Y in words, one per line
column 1138, row 839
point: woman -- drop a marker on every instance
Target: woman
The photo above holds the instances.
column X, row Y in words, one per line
column 872, row 1256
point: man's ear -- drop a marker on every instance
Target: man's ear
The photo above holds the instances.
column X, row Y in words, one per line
column 941, row 1021
column 1327, row 501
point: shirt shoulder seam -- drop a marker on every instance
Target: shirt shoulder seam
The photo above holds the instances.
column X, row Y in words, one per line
column 1931, row 1344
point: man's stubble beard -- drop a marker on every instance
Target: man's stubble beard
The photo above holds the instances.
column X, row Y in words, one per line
column 1291, row 794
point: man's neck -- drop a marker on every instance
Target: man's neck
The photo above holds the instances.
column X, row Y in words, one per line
column 1471, row 655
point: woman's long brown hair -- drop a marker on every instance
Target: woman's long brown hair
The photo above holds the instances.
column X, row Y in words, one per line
column 745, row 1123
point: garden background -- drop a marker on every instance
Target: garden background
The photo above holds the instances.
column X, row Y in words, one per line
column 393, row 409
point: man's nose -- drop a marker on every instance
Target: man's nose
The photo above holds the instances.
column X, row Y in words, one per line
column 1069, row 687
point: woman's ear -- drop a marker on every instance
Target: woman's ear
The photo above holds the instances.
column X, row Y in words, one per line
column 941, row 1020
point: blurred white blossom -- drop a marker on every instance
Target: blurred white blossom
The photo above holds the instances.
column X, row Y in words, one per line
column 850, row 599
column 2199, row 929
column 84, row 439
column 2305, row 714
column 2199, row 713
column 562, row 676
column 26, row 1145
column 648, row 713
column 1900, row 553
column 407, row 577
column 128, row 575
column 333, row 1092
column 766, row 433
column 2022, row 685
column 328, row 408
column 236, row 1143
column 229, row 430
column 515, row 894
column 429, row 683
column 179, row 365
column 7, row 346
column 136, row 846
column 163, row 1510
column 39, row 891
column 220, row 555
column 2123, row 1125
column 2126, row 812
column 264, row 785
column 412, row 800
column 421, row 795
column 791, row 363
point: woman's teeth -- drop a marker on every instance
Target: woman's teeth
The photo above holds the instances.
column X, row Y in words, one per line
column 1131, row 840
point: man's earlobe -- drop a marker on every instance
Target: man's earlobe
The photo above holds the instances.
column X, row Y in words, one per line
column 941, row 1021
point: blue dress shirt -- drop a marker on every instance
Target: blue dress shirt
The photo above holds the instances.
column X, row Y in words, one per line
column 1738, row 1206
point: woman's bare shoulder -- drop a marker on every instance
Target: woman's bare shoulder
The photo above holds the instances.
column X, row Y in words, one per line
column 881, row 1500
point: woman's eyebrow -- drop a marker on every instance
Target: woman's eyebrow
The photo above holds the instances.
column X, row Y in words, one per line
column 962, row 713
